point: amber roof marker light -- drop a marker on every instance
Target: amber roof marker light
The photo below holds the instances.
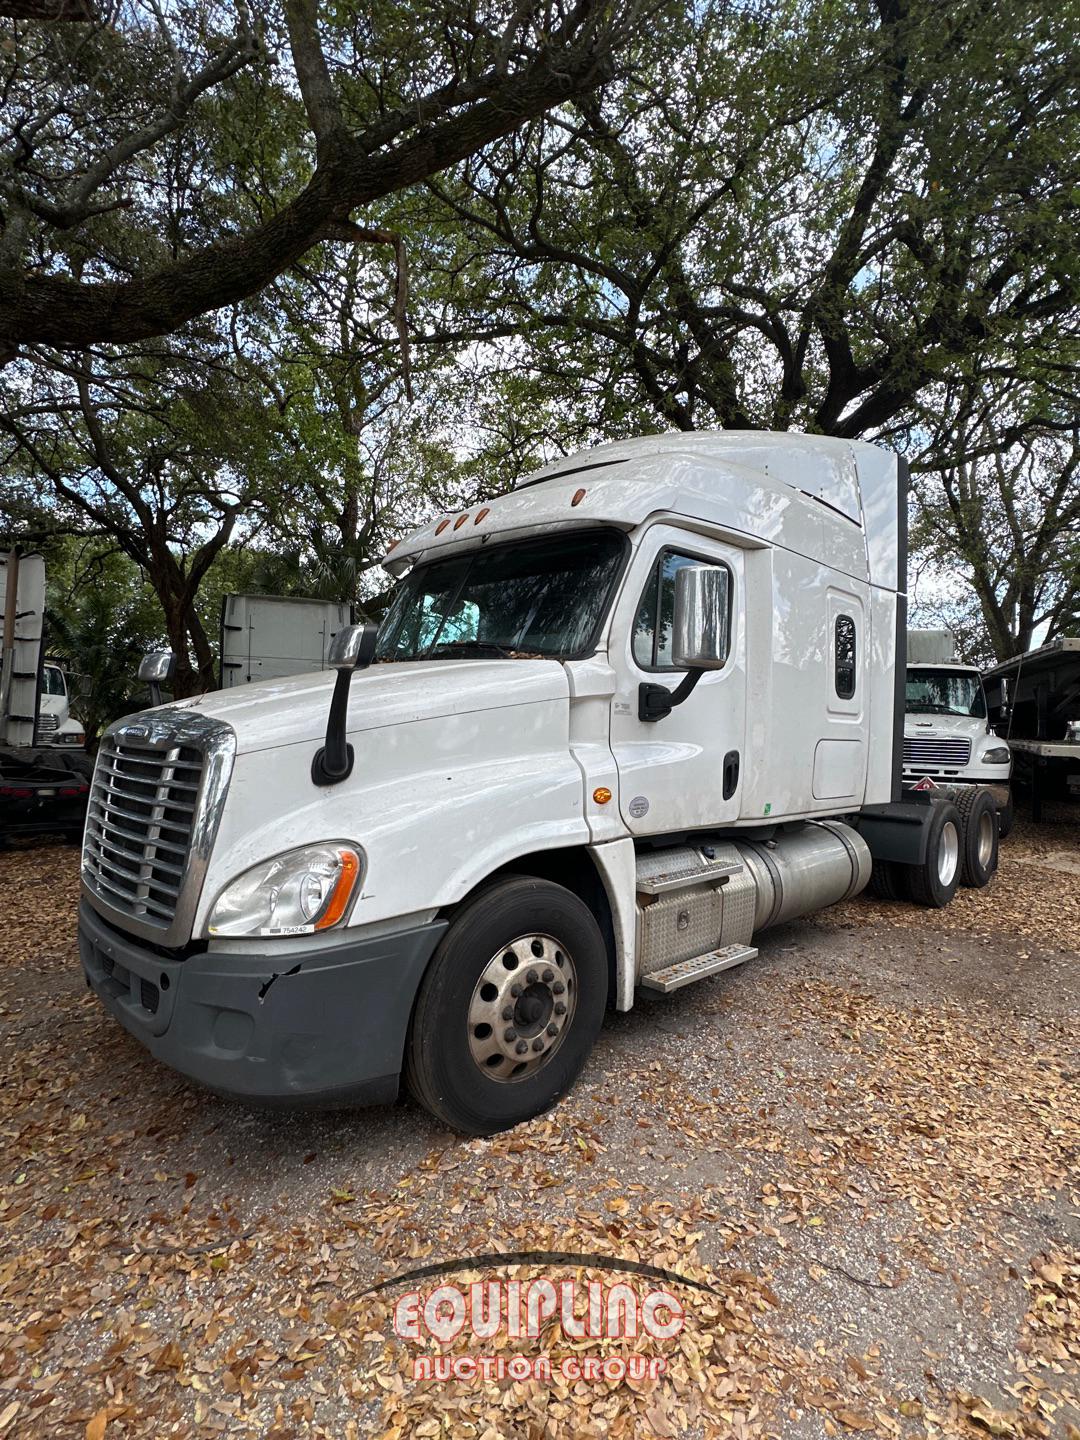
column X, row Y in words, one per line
column 579, row 495
column 480, row 515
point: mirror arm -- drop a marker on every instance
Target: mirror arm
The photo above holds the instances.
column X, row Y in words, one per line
column 334, row 762
column 656, row 701
column 352, row 649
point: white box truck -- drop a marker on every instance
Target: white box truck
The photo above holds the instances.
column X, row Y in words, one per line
column 265, row 637
column 948, row 737
column 44, row 774
column 614, row 725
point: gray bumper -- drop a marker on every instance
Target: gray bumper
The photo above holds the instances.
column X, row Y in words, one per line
column 321, row 1027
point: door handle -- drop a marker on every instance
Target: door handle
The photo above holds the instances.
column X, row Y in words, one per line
column 731, row 773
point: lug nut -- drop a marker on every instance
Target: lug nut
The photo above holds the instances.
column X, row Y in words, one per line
column 515, row 991
column 538, row 1044
column 508, row 1012
column 560, row 1008
column 521, row 1047
column 549, row 975
column 531, row 977
column 553, row 1030
column 509, row 1035
column 558, row 987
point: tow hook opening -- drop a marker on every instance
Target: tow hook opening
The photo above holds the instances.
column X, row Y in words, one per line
column 278, row 975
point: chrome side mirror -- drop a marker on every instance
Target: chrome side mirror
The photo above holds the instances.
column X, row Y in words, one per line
column 699, row 633
column 699, row 636
column 351, row 649
column 156, row 668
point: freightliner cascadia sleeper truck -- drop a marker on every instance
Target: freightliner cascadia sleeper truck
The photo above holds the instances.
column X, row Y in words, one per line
column 613, row 725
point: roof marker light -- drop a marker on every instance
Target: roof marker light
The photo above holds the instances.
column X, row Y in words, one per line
column 441, row 526
column 461, row 519
column 480, row 515
column 392, row 546
column 579, row 495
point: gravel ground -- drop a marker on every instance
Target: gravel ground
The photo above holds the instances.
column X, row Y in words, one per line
column 864, row 1146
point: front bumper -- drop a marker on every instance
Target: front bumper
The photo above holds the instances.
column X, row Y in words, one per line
column 319, row 1027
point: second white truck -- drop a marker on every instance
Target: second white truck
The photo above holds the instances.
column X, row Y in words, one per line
column 614, row 725
column 948, row 737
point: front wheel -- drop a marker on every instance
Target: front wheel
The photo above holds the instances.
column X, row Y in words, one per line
column 509, row 1007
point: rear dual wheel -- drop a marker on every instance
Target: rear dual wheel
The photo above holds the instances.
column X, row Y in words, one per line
column 509, row 1007
column 979, row 816
column 935, row 881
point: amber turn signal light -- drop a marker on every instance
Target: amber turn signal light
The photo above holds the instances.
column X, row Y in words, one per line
column 342, row 891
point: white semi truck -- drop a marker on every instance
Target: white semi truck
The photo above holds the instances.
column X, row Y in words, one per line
column 55, row 723
column 614, row 725
column 948, row 737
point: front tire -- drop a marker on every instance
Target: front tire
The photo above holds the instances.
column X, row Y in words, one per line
column 509, row 1008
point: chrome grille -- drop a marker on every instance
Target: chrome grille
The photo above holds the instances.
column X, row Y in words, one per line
column 47, row 724
column 925, row 750
column 139, row 825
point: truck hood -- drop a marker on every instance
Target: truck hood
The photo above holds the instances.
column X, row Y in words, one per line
column 293, row 711
column 934, row 727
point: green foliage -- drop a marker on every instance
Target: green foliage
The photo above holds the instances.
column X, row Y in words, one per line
column 101, row 618
column 854, row 218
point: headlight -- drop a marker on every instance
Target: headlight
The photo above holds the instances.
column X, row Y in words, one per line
column 999, row 755
column 293, row 894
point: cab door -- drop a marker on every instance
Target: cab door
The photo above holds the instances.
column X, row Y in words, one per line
column 684, row 771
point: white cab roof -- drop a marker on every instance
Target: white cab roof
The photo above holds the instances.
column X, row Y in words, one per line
column 835, row 500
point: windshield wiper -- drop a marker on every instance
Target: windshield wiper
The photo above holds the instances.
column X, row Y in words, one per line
column 475, row 647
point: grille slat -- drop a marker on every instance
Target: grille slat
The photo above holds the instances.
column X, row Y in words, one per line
column 140, row 819
column 925, row 750
column 135, row 778
column 109, row 806
column 117, row 833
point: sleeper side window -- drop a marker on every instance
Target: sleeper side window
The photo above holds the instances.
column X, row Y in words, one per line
column 656, row 611
column 844, row 665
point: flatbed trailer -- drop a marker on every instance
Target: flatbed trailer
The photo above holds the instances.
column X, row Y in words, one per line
column 1034, row 703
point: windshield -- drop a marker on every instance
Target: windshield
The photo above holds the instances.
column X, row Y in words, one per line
column 529, row 598
column 945, row 692
column 52, row 681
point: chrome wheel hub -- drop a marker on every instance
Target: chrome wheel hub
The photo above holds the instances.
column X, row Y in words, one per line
column 948, row 853
column 521, row 1007
column 986, row 837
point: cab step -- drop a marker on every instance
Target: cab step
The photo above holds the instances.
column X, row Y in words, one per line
column 674, row 977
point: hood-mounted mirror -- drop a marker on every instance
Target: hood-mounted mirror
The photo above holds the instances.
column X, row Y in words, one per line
column 351, row 649
column 157, row 668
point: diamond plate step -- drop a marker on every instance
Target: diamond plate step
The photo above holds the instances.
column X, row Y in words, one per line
column 674, row 977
